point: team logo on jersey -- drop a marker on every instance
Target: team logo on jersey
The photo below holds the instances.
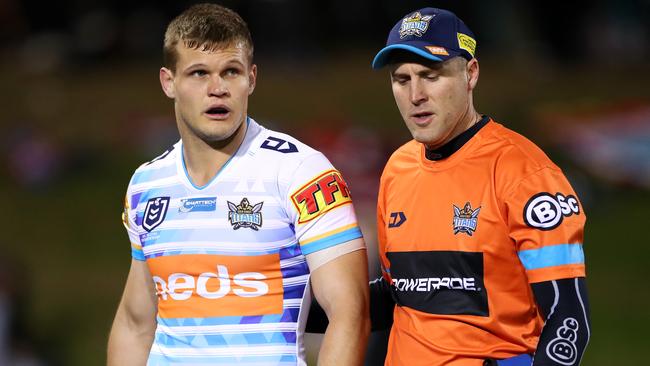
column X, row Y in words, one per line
column 414, row 25
column 323, row 193
column 245, row 215
column 545, row 211
column 465, row 219
column 155, row 212
column 198, row 204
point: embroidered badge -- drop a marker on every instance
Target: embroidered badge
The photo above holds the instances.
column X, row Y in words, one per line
column 245, row 215
column 465, row 219
column 414, row 25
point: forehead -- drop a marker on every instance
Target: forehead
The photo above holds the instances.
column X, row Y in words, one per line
column 415, row 67
column 235, row 52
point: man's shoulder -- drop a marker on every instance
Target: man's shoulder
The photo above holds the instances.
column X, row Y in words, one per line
column 405, row 156
column 513, row 148
column 281, row 149
column 282, row 145
column 161, row 166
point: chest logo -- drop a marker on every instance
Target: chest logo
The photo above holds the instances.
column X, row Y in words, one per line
column 396, row 219
column 155, row 212
column 465, row 219
column 245, row 214
column 198, row 204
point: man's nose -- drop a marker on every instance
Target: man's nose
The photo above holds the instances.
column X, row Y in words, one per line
column 217, row 87
column 417, row 92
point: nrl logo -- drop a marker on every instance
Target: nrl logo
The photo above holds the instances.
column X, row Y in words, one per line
column 245, row 215
column 465, row 219
column 414, row 25
column 154, row 213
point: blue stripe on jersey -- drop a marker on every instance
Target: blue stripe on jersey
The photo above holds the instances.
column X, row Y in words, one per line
column 224, row 235
column 279, row 338
column 137, row 254
column 332, row 240
column 275, row 360
column 288, row 315
column 147, row 175
column 553, row 255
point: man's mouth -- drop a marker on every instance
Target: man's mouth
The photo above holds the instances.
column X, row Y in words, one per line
column 422, row 117
column 217, row 112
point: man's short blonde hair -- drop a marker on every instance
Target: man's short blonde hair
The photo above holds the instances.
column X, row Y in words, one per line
column 206, row 26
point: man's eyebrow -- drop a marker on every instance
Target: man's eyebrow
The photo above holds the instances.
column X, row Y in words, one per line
column 196, row 65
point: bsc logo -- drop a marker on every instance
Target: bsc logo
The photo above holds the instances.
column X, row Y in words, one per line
column 322, row 194
column 545, row 211
column 562, row 349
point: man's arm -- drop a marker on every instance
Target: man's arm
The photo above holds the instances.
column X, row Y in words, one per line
column 382, row 305
column 564, row 305
column 341, row 288
column 135, row 322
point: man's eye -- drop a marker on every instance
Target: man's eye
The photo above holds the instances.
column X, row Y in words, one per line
column 198, row 73
column 432, row 77
column 232, row 72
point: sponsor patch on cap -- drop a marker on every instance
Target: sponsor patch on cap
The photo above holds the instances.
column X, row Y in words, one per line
column 414, row 25
column 466, row 43
column 437, row 50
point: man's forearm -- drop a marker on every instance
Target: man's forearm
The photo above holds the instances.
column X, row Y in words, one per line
column 345, row 342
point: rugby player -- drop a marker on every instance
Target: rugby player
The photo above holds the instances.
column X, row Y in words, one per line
column 235, row 226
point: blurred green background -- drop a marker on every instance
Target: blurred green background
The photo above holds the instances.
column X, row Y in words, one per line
column 82, row 108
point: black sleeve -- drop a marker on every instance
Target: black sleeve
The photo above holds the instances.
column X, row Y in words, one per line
column 565, row 306
column 382, row 304
column 381, row 309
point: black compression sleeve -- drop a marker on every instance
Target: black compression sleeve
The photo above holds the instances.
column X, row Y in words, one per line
column 564, row 305
column 381, row 304
column 317, row 320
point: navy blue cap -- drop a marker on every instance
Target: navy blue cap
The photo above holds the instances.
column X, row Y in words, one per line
column 435, row 34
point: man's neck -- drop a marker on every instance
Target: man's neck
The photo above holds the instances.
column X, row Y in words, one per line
column 203, row 160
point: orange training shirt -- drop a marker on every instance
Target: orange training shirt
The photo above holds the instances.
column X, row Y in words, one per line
column 461, row 239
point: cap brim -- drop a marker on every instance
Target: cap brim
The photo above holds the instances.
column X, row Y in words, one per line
column 383, row 56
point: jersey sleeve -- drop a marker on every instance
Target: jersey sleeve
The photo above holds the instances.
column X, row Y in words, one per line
column 320, row 206
column 546, row 222
column 128, row 219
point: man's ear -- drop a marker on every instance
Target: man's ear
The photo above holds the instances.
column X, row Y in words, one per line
column 252, row 79
column 472, row 72
column 167, row 82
